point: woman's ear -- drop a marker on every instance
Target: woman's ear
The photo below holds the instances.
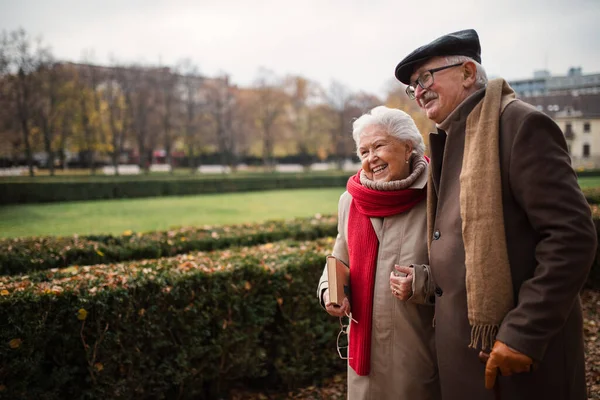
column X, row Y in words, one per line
column 409, row 149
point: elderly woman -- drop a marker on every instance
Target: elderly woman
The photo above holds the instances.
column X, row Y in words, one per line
column 382, row 232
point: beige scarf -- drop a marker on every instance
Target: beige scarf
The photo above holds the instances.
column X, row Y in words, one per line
column 488, row 277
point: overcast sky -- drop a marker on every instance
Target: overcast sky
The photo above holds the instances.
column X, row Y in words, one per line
column 356, row 42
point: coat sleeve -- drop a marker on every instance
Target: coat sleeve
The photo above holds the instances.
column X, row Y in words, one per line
column 340, row 247
column 545, row 186
column 423, row 286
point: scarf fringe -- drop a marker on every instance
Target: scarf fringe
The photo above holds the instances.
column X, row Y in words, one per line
column 484, row 335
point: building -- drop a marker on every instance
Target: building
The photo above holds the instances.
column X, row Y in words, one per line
column 578, row 116
column 543, row 83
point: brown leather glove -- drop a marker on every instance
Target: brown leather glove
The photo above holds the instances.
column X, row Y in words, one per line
column 508, row 360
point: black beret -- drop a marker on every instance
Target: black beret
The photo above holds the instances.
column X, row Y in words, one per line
column 461, row 43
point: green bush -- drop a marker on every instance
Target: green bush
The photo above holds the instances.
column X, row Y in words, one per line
column 189, row 327
column 19, row 192
column 592, row 195
column 22, row 255
column 587, row 172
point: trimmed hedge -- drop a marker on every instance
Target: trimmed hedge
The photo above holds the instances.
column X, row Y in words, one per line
column 592, row 195
column 53, row 191
column 588, row 172
column 22, row 255
column 189, row 327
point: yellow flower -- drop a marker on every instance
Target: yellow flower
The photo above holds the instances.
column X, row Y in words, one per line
column 4, row 292
column 82, row 314
column 15, row 343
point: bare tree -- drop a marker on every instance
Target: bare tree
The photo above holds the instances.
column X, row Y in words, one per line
column 221, row 104
column 338, row 99
column 167, row 107
column 270, row 105
column 191, row 84
column 22, row 60
column 138, row 98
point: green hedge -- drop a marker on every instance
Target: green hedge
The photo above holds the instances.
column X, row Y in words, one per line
column 53, row 191
column 588, row 172
column 592, row 195
column 22, row 255
column 189, row 327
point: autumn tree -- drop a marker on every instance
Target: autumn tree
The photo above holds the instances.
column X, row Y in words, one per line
column 270, row 106
column 115, row 87
column 397, row 98
column 93, row 138
column 66, row 120
column 48, row 107
column 299, row 91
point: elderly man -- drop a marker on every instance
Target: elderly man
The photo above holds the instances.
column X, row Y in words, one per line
column 511, row 237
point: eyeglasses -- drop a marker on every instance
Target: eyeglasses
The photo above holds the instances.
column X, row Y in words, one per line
column 425, row 80
column 342, row 340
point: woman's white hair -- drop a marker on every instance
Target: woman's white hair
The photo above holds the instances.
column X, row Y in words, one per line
column 396, row 123
column 481, row 78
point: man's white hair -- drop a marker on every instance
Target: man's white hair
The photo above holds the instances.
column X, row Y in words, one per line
column 481, row 78
column 395, row 122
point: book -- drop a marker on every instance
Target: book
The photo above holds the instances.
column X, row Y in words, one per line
column 338, row 277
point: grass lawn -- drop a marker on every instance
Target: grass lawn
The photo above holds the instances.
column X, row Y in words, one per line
column 161, row 213
column 589, row 181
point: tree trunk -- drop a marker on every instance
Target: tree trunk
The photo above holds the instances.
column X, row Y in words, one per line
column 28, row 153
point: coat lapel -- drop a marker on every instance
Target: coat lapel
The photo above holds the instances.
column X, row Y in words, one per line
column 378, row 227
column 437, row 141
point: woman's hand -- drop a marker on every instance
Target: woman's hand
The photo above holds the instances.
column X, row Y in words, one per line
column 336, row 311
column 401, row 282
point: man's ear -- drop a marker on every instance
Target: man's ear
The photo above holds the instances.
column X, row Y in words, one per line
column 469, row 74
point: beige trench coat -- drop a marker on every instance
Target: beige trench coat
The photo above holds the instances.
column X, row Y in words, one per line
column 403, row 356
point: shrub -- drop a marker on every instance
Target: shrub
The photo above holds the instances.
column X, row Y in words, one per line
column 191, row 327
column 22, row 255
column 20, row 192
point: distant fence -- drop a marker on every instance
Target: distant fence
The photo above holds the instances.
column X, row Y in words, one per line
column 128, row 169
column 16, row 171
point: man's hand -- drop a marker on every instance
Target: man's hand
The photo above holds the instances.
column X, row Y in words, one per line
column 508, row 360
column 401, row 282
column 336, row 311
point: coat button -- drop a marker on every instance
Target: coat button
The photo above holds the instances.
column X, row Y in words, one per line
column 436, row 235
column 438, row 292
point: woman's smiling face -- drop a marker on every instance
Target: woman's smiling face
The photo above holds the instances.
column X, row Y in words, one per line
column 383, row 156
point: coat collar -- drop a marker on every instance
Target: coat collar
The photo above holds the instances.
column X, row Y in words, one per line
column 461, row 112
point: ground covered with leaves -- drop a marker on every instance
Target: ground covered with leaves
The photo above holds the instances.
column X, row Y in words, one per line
column 335, row 387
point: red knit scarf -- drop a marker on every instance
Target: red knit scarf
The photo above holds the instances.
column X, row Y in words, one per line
column 363, row 246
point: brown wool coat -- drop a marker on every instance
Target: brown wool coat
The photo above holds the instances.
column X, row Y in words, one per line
column 403, row 351
column 551, row 242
